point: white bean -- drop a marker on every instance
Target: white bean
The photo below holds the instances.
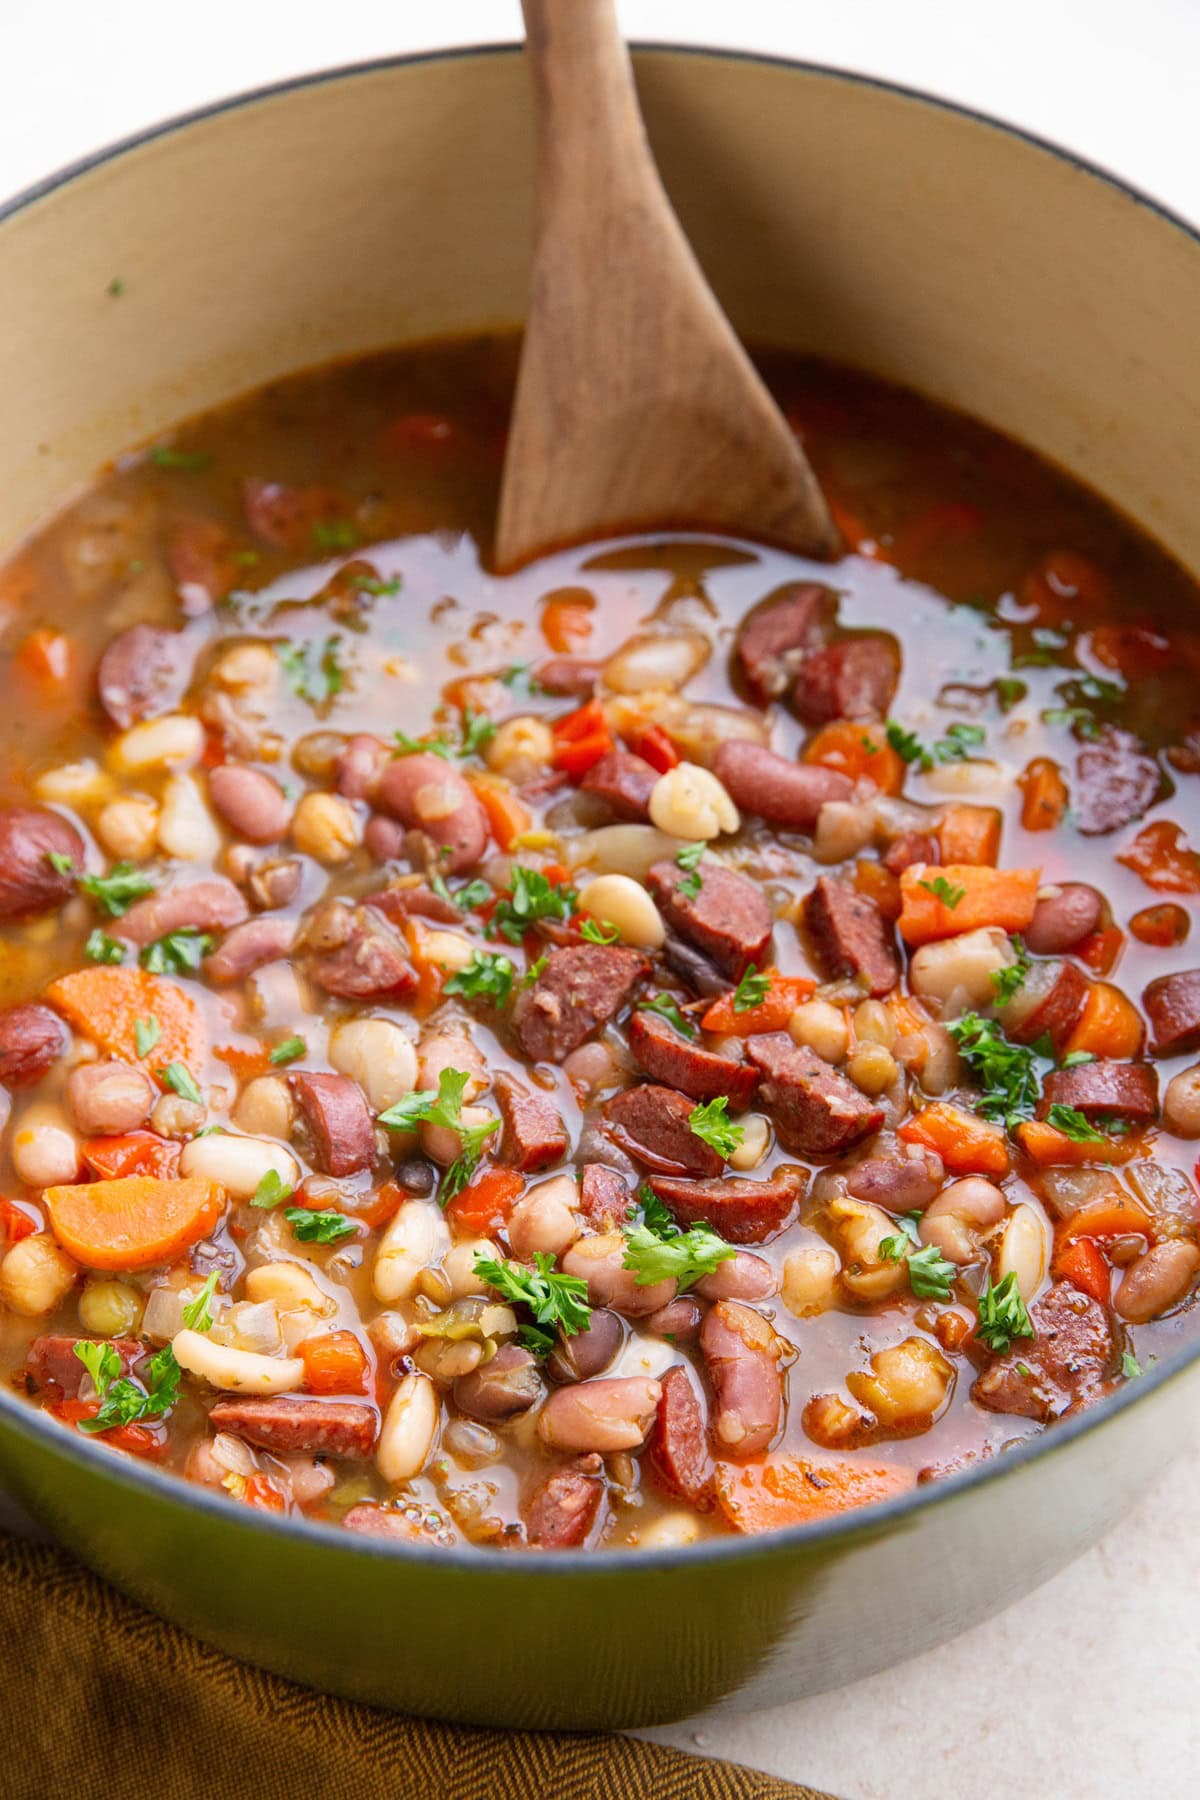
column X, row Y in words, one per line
column 545, row 1219
column 45, row 1151
column 128, row 828
column 237, row 1371
column 78, row 784
column 290, row 1286
column 861, row 1228
column 1024, row 1250
column 378, row 1055
column 844, row 827
column 416, row 1239
column 238, row 1164
column 409, row 1429
column 957, row 973
column 521, row 748
column 186, row 829
column 458, row 1266
column 978, row 775
column 36, row 1276
column 665, row 660
column 621, row 902
column 821, row 1027
column 756, row 1140
column 810, row 1281
column 443, row 1143
column 1181, row 1103
column 961, row 1212
column 325, row 826
column 620, row 849
column 265, row 1108
column 669, row 1531
column 689, row 802
column 172, row 742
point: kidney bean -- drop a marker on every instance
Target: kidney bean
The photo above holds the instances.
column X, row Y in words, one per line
column 772, row 788
column 250, row 946
column 1064, row 919
column 274, row 884
column 679, row 1320
column 384, row 839
column 904, row 1182
column 29, row 882
column 500, row 1389
column 741, row 1354
column 598, row 1260
column 588, row 1352
column 336, row 1114
column 251, row 804
column 1157, row 1281
column 743, row 1277
column 606, row 1416
column 360, row 767
column 108, row 1098
column 433, row 799
column 31, row 1039
column 212, row 905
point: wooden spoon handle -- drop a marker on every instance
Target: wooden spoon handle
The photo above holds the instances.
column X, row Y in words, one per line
column 588, row 124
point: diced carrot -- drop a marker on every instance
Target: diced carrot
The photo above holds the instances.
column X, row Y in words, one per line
column 967, row 1144
column 952, row 1329
column 377, row 1208
column 134, row 1153
column 485, row 1204
column 133, row 1222
column 879, row 885
column 859, row 751
column 1044, row 795
column 1110, row 1026
column 507, row 816
column 1085, row 1266
column 50, row 659
column 581, row 739
column 139, row 1440
column 1163, row 926
column 566, row 619
column 260, row 1491
column 970, row 834
column 949, row 522
column 16, row 1222
column 421, row 431
column 1050, row 1147
column 1134, row 650
column 1126, row 1217
column 244, row 1061
column 1101, row 950
column 334, row 1363
column 430, row 973
column 1161, row 856
column 941, row 903
column 105, row 1004
column 783, row 996
column 651, row 743
column 779, row 1490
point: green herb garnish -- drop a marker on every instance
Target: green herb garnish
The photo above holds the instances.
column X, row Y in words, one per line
column 1006, row 1072
column 411, row 746
column 180, row 1080
column 533, row 897
column 710, row 1122
column 313, row 670
column 178, row 953
column 165, row 456
column 751, row 990
column 667, row 1007
column 100, row 948
column 319, row 1227
column 555, row 1300
column 1074, row 1125
column 1009, row 981
column 335, row 534
column 596, row 933
column 287, row 1051
column 683, row 1256
column 1002, row 1315
column 271, row 1191
column 943, row 890
column 114, row 892
column 197, row 1313
column 488, row 976
column 688, row 859
column 146, row 1034
column 477, row 732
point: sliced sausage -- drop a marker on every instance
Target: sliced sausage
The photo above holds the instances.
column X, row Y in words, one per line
column 741, row 1354
column 369, row 962
column 852, row 679
column 400, row 903
column 32, row 1038
column 742, row 1212
column 678, row 1449
column 1116, row 779
column 144, row 671
column 563, row 1508
column 335, row 1111
column 255, row 808
column 1049, row 1003
column 287, row 1427
column 29, row 882
column 201, row 559
column 850, row 936
column 652, row 1124
column 680, row 1063
column 624, row 781
column 212, row 905
column 1067, row 1364
column 817, row 1111
column 500, row 1389
column 604, row 1199
column 580, row 988
column 728, row 919
column 249, row 947
column 1064, row 919
column 787, row 794
column 909, row 848
column 774, row 637
column 534, row 1134
column 52, row 1367
column 1172, row 1004
column 1104, row 1090
column 446, row 821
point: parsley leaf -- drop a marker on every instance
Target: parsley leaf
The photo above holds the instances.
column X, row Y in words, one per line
column 123, row 1401
column 534, row 970
column 165, row 456
column 488, row 976
column 533, row 897
column 907, row 744
column 313, row 670
column 1006, row 1072
column 146, row 1034
column 411, row 746
column 180, row 1080
column 943, row 890
column 532, row 1338
column 1009, row 981
column 1131, row 1368
column 553, row 1299
column 319, row 1227
column 688, row 859
column 444, row 1108
column 1009, row 692
column 930, row 1276
column 686, row 1257
column 287, row 1051
column 751, row 990
column 335, row 534
column 116, row 891
column 197, row 1313
column 178, row 953
column 475, row 893
column 891, row 1249
column 1002, row 1315
column 956, row 746
column 100, row 948
column 372, row 584
column 101, row 1361
column 655, row 1216
column 667, row 1007
column 710, row 1122
column 596, row 933
column 1074, row 1125
column 1076, row 1059
column 477, row 731
column 272, row 1190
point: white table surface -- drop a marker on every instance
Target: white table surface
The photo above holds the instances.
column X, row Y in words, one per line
column 1087, row 1688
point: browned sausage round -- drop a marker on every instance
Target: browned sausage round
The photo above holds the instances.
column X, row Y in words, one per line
column 29, row 882
column 741, row 1353
column 143, row 671
column 563, row 1508
column 681, row 1063
column 31, row 1039
column 346, row 1428
column 677, row 1452
column 1062, row 920
column 336, row 1114
column 651, row 1123
column 772, row 788
column 429, row 796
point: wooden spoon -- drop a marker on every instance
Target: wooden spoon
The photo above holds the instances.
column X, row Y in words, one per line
column 636, row 405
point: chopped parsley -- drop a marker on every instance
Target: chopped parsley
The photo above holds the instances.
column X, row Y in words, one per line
column 533, row 897
column 180, row 1080
column 956, row 746
column 319, row 1227
column 943, row 890
column 100, row 948
column 1009, row 981
column 444, row 1108
column 189, row 462
column 313, row 670
column 1131, row 1368
column 114, row 892
column 655, row 1216
column 520, row 675
column 197, row 1313
column 688, row 859
column 335, row 534
column 146, row 1034
column 1002, row 1315
column 488, row 976
column 379, row 589
column 1076, row 1059
column 559, row 1301
column 477, row 732
column 534, row 970
column 930, row 1276
column 475, row 893
column 1006, row 1072
column 667, row 1007
column 178, row 953
column 751, row 990
column 538, row 1342
column 122, row 1400
column 1009, row 692
column 287, row 1051
column 596, row 933
column 891, row 1249
column 411, row 746
column 116, row 287
column 710, row 1122
column 682, row 1256
column 906, row 744
column 1073, row 1124
column 272, row 1190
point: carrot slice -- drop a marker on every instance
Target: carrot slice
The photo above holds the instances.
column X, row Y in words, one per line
column 1125, row 1217
column 941, row 903
column 105, row 1004
column 485, row 1205
column 133, row 1153
column 1049, row 1146
column 784, row 995
column 1085, row 1266
column 133, row 1222
column 1163, row 926
column 789, row 1490
column 967, row 1144
column 857, row 751
column 970, row 834
column 1161, row 856
column 1044, row 795
column 507, row 816
column 334, row 1363
column 1110, row 1025
column 879, row 885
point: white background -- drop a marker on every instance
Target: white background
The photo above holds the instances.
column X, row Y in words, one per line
column 1088, row 1689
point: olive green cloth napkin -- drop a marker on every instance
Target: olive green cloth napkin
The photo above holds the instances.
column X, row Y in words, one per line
column 102, row 1701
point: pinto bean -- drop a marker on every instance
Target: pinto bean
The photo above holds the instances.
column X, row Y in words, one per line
column 500, row 1389
column 360, row 767
column 384, row 839
column 903, row 1182
column 742, row 1277
column 545, row 1219
column 254, row 807
column 960, row 1214
column 770, row 787
column 614, row 1413
column 212, row 905
column 336, row 1114
column 679, row 1321
column 433, row 799
column 1157, row 1281
column 741, row 1354
column 143, row 671
column 32, row 1038
column 274, row 883
column 108, row 1098
column 249, row 947
column 29, row 882
column 598, row 1260
column 589, row 1352
column 1063, row 918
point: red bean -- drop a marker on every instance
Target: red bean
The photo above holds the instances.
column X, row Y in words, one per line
column 29, row 882
column 1064, row 919
column 1157, row 1281
column 250, row 946
column 500, row 1389
column 431, row 798
column 743, row 1277
column 606, row 1416
column 212, row 905
column 32, row 1038
column 252, row 805
column 360, row 767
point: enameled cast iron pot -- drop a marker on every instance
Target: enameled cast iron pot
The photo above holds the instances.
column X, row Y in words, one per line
column 352, row 210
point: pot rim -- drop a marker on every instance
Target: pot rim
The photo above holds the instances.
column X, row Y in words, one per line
column 840, row 1528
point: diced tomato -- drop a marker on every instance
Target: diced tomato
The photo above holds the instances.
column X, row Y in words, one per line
column 261, row 1492
column 1102, row 950
column 419, row 431
column 566, row 620
column 1161, row 856
column 484, row 1206
column 1161, row 926
column 379, row 1207
column 16, row 1221
column 651, row 743
column 1085, row 1266
column 334, row 1363
column 149, row 1441
column 581, row 739
column 134, row 1153
column 508, row 817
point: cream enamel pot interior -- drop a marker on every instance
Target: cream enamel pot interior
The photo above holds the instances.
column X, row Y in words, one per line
column 392, row 203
